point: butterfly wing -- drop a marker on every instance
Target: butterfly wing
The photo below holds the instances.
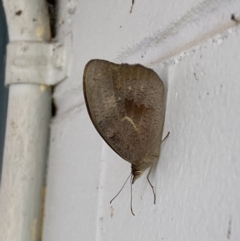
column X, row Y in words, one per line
column 126, row 105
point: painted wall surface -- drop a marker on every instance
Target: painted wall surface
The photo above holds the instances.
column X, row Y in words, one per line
column 194, row 47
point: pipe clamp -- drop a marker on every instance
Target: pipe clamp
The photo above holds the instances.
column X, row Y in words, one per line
column 38, row 62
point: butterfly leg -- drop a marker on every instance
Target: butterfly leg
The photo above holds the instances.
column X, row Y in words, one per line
column 165, row 137
column 154, row 194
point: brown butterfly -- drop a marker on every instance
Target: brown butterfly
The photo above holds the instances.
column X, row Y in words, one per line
column 126, row 105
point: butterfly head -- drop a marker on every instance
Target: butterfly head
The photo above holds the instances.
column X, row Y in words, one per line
column 135, row 174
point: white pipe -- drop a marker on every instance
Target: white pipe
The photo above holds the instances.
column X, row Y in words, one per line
column 26, row 141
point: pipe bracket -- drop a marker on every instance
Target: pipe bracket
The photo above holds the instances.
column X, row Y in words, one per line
column 38, row 62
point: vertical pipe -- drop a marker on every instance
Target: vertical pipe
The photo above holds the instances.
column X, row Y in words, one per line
column 26, row 141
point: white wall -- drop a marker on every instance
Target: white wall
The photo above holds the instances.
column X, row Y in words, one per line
column 194, row 47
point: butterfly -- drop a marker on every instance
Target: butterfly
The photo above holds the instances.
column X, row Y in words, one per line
column 126, row 105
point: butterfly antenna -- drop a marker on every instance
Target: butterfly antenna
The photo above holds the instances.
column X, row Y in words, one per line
column 154, row 194
column 131, row 196
column 121, row 188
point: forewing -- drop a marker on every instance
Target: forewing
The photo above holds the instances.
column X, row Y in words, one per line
column 126, row 105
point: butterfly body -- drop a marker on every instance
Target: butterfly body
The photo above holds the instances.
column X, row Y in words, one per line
column 126, row 105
